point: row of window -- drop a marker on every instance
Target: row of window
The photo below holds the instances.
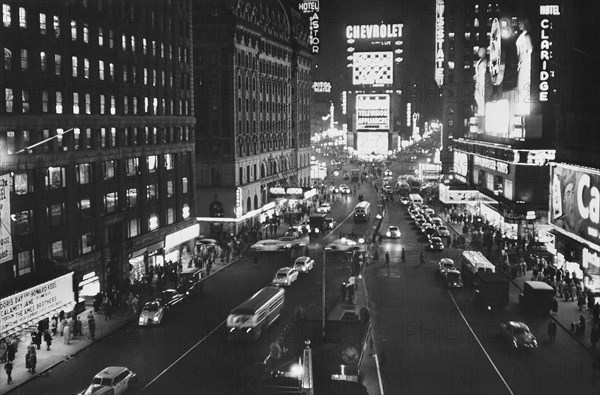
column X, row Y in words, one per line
column 55, row 177
column 127, row 42
column 86, row 103
column 147, row 76
column 79, row 139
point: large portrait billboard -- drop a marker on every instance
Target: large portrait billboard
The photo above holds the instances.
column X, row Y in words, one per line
column 575, row 201
column 372, row 112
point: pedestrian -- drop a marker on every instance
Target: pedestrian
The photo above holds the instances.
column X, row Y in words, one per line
column 9, row 367
column 343, row 291
column 78, row 327
column 590, row 301
column 594, row 335
column 422, row 259
column 554, row 307
column 208, row 267
column 135, row 304
column 32, row 361
column 47, row 339
column 403, row 255
column 106, row 307
column 551, row 330
column 387, row 259
column 350, row 289
column 573, row 291
column 91, row 325
column 11, row 351
column 128, row 302
column 67, row 334
column 580, row 301
column 3, row 348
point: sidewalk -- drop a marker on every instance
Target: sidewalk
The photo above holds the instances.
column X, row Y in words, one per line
column 568, row 312
column 60, row 352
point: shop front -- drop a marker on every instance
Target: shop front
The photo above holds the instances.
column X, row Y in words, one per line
column 145, row 261
column 88, row 287
column 25, row 309
column 179, row 245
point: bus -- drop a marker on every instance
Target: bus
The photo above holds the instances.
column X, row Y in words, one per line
column 362, row 211
column 415, row 199
column 257, row 314
column 355, row 175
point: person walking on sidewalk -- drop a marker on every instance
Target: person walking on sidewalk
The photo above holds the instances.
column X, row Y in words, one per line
column 403, row 255
column 387, row 259
column 91, row 325
column 135, row 304
column 580, row 301
column 106, row 307
column 343, row 290
column 67, row 334
column 47, row 339
column 422, row 259
column 554, row 307
column 551, row 330
column 9, row 367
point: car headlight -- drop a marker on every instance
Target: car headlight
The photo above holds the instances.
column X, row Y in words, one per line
column 141, row 320
column 156, row 319
column 388, row 234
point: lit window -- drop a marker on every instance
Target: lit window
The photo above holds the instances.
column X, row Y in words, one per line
column 87, row 243
column 110, row 202
column 124, row 73
column 184, row 183
column 7, row 59
column 86, row 33
column 43, row 61
column 132, row 166
column 6, row 15
column 25, row 100
column 102, row 104
column 185, row 211
column 101, row 69
column 110, row 38
column 24, row 263
column 57, row 60
column 145, row 76
column 152, row 163
column 74, row 65
column 43, row 23
column 22, row 17
column 132, row 44
column 133, row 227
column 131, row 197
column 55, row 177
column 144, row 44
column 151, row 192
column 153, row 222
column 8, row 99
column 21, row 222
column 113, row 137
column 24, row 60
column 169, row 165
column 58, row 107
column 21, row 184
column 75, row 103
column 124, row 42
column 88, row 104
column 109, row 169
column 113, row 108
column 86, row 68
column 125, row 105
column 73, row 31
column 77, row 134
column 111, row 71
column 170, row 215
column 100, row 37
column 170, row 189
column 57, row 252
column 44, row 101
column 146, row 105
column 84, row 173
column 56, row 24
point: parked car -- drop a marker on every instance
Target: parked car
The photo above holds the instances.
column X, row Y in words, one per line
column 268, row 245
column 293, row 231
column 304, row 264
column 518, row 334
column 393, row 232
column 111, row 380
column 444, row 265
column 190, row 281
column 453, row 279
column 152, row 314
column 443, row 230
column 436, row 244
column 285, row 276
column 324, row 208
column 169, row 298
column 345, row 189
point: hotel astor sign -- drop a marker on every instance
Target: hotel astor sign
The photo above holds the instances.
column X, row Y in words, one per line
column 368, row 32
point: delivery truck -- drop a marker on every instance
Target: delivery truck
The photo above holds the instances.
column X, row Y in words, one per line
column 491, row 291
column 536, row 297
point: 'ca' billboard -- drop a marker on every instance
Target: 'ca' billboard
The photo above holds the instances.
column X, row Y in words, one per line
column 575, row 201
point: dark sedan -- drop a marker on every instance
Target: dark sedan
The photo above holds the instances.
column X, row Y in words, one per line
column 169, row 297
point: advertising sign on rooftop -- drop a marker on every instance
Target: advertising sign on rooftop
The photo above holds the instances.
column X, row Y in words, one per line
column 373, row 68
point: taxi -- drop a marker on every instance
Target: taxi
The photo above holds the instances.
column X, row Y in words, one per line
column 111, row 380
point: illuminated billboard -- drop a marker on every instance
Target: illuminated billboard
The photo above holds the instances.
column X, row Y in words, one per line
column 372, row 112
column 369, row 32
column 372, row 142
column 575, row 201
column 372, row 68
column 461, row 165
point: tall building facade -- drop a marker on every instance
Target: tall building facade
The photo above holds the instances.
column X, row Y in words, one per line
column 252, row 66
column 96, row 144
column 498, row 118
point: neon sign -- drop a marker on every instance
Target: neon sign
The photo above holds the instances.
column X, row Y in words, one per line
column 545, row 49
column 439, row 42
column 357, row 32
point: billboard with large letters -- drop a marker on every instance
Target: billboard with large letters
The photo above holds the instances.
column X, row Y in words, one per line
column 575, row 201
column 373, row 112
column 6, row 252
column 373, row 68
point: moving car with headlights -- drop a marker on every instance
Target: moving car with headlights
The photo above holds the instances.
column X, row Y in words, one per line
column 518, row 334
column 304, row 226
column 346, row 176
column 345, row 189
column 452, row 279
column 329, row 223
column 111, row 380
column 268, row 245
column 333, row 189
column 285, row 277
column 345, row 245
column 169, row 298
column 293, row 232
column 444, row 265
column 304, row 264
column 152, row 314
column 324, row 208
column 256, row 314
column 393, row 232
column 436, row 244
column 404, row 201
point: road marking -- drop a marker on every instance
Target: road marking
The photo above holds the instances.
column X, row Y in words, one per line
column 340, row 224
column 480, row 345
column 364, row 283
column 180, row 358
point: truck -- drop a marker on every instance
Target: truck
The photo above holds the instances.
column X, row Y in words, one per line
column 536, row 297
column 491, row 291
column 355, row 175
column 317, row 224
column 473, row 262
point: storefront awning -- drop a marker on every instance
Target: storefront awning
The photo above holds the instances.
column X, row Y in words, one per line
column 181, row 236
column 36, row 303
